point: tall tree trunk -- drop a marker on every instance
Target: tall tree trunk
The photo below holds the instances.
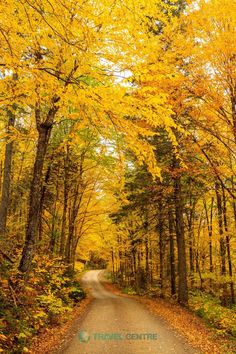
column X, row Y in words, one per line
column 182, row 268
column 209, row 228
column 76, row 202
column 134, row 262
column 190, row 220
column 191, row 240
column 228, row 248
column 1, row 174
column 47, row 176
column 53, row 240
column 222, row 241
column 233, row 107
column 121, row 261
column 6, row 178
column 151, row 262
column 113, row 264
column 65, row 202
column 147, row 257
column 191, row 256
column 44, row 130
column 146, row 250
column 221, row 231
column 161, row 249
column 172, row 253
column 72, row 223
column 69, row 238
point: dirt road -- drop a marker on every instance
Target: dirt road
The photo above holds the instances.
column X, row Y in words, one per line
column 119, row 325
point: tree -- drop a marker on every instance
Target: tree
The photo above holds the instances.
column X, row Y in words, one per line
column 55, row 63
column 5, row 199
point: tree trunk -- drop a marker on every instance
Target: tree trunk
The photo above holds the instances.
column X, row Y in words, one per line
column 147, row 257
column 6, row 178
column 233, row 106
column 53, row 240
column 182, row 269
column 146, row 250
column 76, row 202
column 221, row 231
column 47, row 176
column 228, row 248
column 113, row 264
column 172, row 253
column 209, row 228
column 69, row 238
column 72, row 223
column 190, row 219
column 44, row 130
column 222, row 242
column 65, row 203
column 161, row 249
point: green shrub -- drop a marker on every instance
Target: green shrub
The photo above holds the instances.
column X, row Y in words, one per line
column 209, row 308
column 53, row 306
column 129, row 290
column 76, row 294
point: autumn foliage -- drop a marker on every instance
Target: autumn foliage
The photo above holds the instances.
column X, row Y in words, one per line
column 117, row 148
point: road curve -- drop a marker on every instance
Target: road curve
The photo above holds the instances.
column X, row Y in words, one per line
column 120, row 325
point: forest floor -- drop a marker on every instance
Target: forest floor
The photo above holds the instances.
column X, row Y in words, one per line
column 182, row 320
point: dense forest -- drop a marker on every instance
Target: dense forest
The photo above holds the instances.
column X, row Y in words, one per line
column 118, row 150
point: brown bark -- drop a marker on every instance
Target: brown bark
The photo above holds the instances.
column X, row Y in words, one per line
column 191, row 240
column 76, row 202
column 209, row 228
column 222, row 242
column 147, row 257
column 161, row 248
column 228, row 249
column 172, row 253
column 4, row 206
column 182, row 268
column 65, row 203
column 53, row 240
column 72, row 222
column 190, row 219
column 113, row 264
column 44, row 131
column 233, row 106
column 146, row 243
column 221, row 231
column 47, row 176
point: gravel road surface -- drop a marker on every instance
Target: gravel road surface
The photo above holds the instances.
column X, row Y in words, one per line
column 119, row 325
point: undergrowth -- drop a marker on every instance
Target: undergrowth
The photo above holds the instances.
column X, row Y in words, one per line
column 29, row 305
column 208, row 307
